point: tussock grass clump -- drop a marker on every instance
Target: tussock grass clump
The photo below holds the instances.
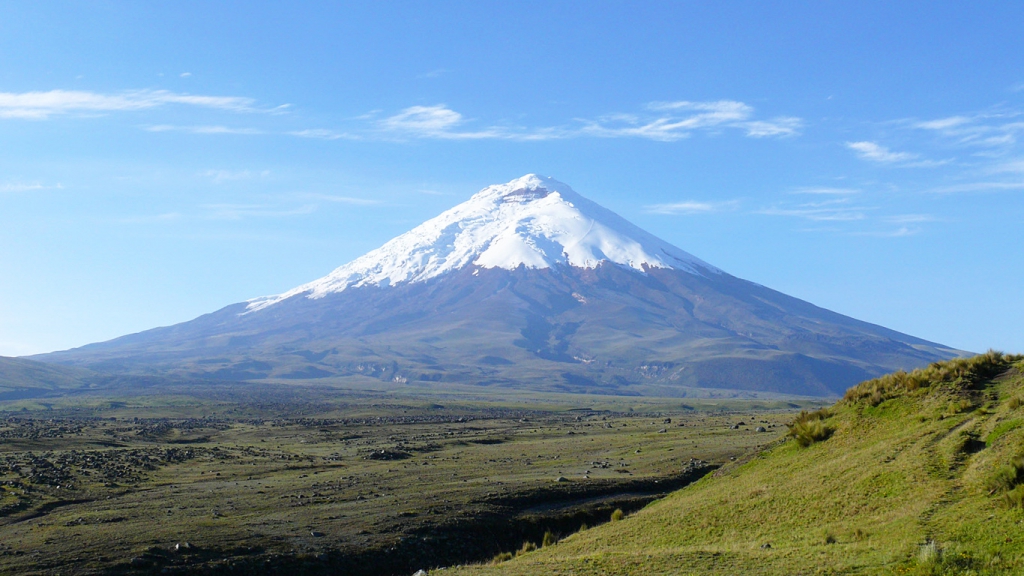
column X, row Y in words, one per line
column 549, row 539
column 617, row 515
column 527, row 548
column 809, row 427
column 501, row 557
column 968, row 372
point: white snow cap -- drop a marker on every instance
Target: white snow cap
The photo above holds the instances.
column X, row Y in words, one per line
column 533, row 221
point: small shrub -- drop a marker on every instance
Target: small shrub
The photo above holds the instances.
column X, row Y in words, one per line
column 549, row 539
column 809, row 427
column 501, row 557
column 617, row 515
column 1014, row 403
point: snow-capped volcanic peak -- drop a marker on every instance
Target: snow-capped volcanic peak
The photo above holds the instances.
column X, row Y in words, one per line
column 532, row 221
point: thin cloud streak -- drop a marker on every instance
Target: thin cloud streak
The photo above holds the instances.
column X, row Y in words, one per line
column 662, row 121
column 322, row 134
column 340, row 199
column 978, row 187
column 824, row 191
column 27, row 187
column 241, row 211
column 220, row 176
column 44, row 105
column 878, row 153
column 689, row 207
column 204, row 130
column 834, row 210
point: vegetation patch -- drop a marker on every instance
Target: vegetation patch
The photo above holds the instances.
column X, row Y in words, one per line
column 1002, row 429
column 810, row 427
column 965, row 373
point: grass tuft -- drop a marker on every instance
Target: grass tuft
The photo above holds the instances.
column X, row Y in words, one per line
column 549, row 539
column 617, row 515
column 809, row 427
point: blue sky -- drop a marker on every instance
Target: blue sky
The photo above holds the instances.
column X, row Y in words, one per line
column 162, row 160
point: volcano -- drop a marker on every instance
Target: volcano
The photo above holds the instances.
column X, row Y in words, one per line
column 526, row 285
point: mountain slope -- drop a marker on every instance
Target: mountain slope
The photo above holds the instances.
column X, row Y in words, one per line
column 921, row 474
column 527, row 284
column 21, row 374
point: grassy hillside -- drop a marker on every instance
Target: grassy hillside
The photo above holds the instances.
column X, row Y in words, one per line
column 20, row 374
column 919, row 473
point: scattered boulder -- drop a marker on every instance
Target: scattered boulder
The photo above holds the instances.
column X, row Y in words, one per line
column 420, row 573
column 561, row 479
column 765, row 546
column 316, row 534
column 760, row 429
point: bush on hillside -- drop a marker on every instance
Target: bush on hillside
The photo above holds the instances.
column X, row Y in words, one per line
column 967, row 372
column 809, row 427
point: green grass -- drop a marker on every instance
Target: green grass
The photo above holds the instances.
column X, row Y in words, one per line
column 98, row 480
column 902, row 485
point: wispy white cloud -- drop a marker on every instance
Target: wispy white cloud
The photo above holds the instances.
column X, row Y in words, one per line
column 322, row 134
column 826, row 191
column 185, row 74
column 435, row 122
column 991, row 129
column 437, row 73
column 27, row 187
column 909, row 218
column 43, row 105
column 671, row 121
column 978, row 187
column 355, row 201
column 241, row 211
column 1014, row 166
column 220, row 176
column 661, row 121
column 691, row 207
column 779, row 126
column 901, row 232
column 833, row 210
column 204, row 129
column 161, row 218
column 878, row 153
